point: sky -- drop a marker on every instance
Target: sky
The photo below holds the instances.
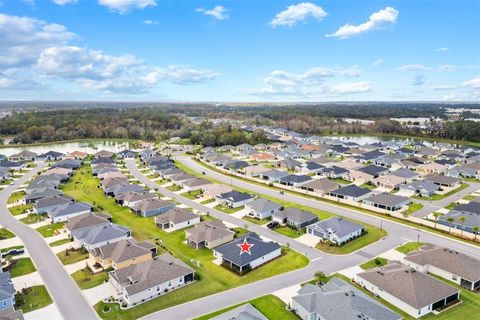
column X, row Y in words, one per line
column 240, row 51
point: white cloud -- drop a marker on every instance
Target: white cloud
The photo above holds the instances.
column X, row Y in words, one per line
column 419, row 80
column 150, row 22
column 218, row 12
column 35, row 49
column 125, row 6
column 413, row 67
column 298, row 13
column 64, row 2
column 447, row 67
column 473, row 83
column 442, row 49
column 378, row 62
column 377, row 19
column 311, row 84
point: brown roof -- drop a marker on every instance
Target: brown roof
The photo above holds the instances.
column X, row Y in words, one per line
column 321, row 184
column 208, row 231
column 122, row 250
column 86, row 220
column 452, row 261
column 104, row 154
column 136, row 196
column 415, row 288
column 176, row 215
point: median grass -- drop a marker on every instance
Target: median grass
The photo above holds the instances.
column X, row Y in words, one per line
column 86, row 279
column 32, row 298
column 270, row 306
column 21, row 267
column 409, row 246
column 212, row 278
column 377, row 262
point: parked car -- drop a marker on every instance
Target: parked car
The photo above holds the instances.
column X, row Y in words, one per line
column 273, row 225
column 13, row 252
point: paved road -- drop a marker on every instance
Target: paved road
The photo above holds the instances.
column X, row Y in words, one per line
column 318, row 260
column 434, row 205
column 68, row 298
column 394, row 229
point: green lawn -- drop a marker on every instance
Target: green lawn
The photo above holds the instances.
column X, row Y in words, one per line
column 443, row 196
column 16, row 196
column 32, row 298
column 49, row 229
column 213, row 278
column 270, row 306
column 341, row 181
column 192, row 195
column 21, row 267
column 60, row 242
column 5, row 234
column 70, row 256
column 207, row 201
column 409, row 246
column 228, row 210
column 240, row 232
column 33, row 218
column 19, row 209
column 371, row 235
column 85, row 279
column 414, row 206
column 289, row 232
column 174, row 187
column 368, row 186
column 255, row 220
column 377, row 262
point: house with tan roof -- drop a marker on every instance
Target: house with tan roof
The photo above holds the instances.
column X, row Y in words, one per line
column 78, row 155
column 415, row 293
column 446, row 263
column 431, row 168
column 212, row 190
column 177, row 219
column 195, row 184
column 255, row 170
column 120, row 254
column 209, row 234
column 321, row 186
column 261, row 157
column 389, row 181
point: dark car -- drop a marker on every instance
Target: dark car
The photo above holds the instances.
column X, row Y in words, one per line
column 273, row 225
column 13, row 252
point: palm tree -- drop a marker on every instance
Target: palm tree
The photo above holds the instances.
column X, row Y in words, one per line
column 320, row 277
column 450, row 221
column 436, row 215
column 475, row 232
column 462, row 220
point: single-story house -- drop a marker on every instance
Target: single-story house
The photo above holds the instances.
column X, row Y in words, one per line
column 7, row 291
column 431, row 168
column 421, row 188
column 23, row 155
column 336, row 230
column 131, row 198
column 260, row 253
column 443, row 181
column 446, row 263
column 126, row 154
column 351, row 192
column 195, row 184
column 407, row 174
column 44, row 205
column 152, row 207
column 295, row 180
column 213, row 190
column 274, row 175
column 262, row 208
column 320, row 186
column 41, row 193
column 255, row 170
column 359, row 177
column 86, row 221
column 234, row 199
column 104, row 154
column 470, row 212
column 177, row 219
column 338, row 299
column 121, row 254
column 245, row 311
column 415, row 293
column 146, row 280
column 100, row 235
column 295, row 218
column 333, row 172
column 208, row 234
column 63, row 212
column 49, row 156
column 387, row 201
column 389, row 181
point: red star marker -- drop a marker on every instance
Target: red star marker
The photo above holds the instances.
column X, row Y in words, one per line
column 245, row 247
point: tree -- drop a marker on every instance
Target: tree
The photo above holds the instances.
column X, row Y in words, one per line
column 462, row 220
column 436, row 215
column 450, row 221
column 475, row 232
column 320, row 277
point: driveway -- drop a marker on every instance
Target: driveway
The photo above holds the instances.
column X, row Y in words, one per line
column 69, row 300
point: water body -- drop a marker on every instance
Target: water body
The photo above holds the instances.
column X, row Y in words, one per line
column 373, row 139
column 65, row 147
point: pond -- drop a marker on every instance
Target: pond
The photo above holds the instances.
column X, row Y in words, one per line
column 65, row 147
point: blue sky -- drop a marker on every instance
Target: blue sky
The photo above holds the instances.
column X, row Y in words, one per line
column 244, row 50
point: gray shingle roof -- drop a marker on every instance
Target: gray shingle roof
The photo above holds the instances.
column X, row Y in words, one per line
column 351, row 191
column 243, row 312
column 337, row 225
column 263, row 205
column 339, row 300
column 386, row 199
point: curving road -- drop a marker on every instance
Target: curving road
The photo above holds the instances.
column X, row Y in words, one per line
column 68, row 298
